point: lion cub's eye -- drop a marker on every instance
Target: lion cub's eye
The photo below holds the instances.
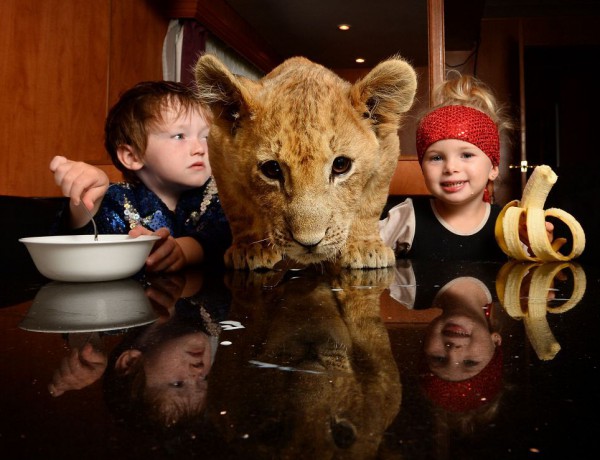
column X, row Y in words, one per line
column 341, row 165
column 272, row 170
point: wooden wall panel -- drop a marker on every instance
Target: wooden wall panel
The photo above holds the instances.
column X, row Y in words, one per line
column 53, row 92
column 64, row 62
column 408, row 179
column 138, row 31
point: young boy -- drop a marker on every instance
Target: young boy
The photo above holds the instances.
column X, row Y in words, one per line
column 156, row 136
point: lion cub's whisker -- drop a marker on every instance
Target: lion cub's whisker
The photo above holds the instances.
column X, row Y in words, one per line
column 260, row 241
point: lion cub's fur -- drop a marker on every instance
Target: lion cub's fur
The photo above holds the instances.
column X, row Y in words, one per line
column 313, row 374
column 303, row 159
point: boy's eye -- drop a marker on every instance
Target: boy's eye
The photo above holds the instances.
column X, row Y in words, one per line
column 470, row 363
column 178, row 136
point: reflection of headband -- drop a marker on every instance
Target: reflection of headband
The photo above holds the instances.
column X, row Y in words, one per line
column 462, row 123
column 467, row 394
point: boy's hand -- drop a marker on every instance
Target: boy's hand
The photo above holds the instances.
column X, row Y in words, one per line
column 166, row 255
column 164, row 291
column 78, row 370
column 79, row 181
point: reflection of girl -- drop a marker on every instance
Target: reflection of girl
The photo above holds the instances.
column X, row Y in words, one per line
column 459, row 343
column 462, row 355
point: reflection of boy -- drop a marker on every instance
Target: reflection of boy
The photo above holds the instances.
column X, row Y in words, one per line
column 158, row 375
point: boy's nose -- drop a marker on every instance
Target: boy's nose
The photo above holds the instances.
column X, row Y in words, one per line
column 200, row 148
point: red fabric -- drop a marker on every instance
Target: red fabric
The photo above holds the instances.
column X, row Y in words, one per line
column 462, row 123
column 467, row 394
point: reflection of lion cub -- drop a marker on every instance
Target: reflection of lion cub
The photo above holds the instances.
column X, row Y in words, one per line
column 312, row 375
column 303, row 159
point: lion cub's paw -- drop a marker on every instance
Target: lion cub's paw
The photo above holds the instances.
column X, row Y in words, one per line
column 367, row 254
column 379, row 278
column 251, row 256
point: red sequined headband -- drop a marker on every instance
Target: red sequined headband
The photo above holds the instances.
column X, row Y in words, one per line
column 462, row 123
column 465, row 395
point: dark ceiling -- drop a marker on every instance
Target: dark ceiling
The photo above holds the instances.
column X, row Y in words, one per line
column 381, row 28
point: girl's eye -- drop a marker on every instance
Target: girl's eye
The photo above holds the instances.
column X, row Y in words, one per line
column 177, row 384
column 468, row 155
column 178, row 136
column 470, row 363
column 435, row 158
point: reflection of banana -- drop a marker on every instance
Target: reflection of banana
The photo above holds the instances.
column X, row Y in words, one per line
column 532, row 206
column 509, row 285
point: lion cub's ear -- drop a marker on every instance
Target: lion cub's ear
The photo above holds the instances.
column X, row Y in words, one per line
column 226, row 94
column 386, row 92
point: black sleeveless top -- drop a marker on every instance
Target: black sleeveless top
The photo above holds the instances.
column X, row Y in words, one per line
column 434, row 241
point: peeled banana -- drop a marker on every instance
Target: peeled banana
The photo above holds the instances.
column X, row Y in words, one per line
column 532, row 306
column 531, row 206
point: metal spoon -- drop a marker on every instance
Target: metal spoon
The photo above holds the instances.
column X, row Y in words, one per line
column 93, row 221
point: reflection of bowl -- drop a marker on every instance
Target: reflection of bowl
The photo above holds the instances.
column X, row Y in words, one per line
column 80, row 258
column 86, row 307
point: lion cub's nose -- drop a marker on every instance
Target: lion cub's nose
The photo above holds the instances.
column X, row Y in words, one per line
column 306, row 243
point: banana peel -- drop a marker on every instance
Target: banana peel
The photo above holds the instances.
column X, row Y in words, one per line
column 531, row 207
column 532, row 307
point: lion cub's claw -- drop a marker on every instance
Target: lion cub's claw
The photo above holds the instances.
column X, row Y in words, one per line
column 251, row 257
column 368, row 254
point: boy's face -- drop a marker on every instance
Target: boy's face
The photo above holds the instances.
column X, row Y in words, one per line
column 176, row 157
column 178, row 368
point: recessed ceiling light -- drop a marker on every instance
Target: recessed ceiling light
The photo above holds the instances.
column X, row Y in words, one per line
column 360, row 60
column 344, row 27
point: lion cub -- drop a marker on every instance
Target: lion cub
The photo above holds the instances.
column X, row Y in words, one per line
column 303, row 159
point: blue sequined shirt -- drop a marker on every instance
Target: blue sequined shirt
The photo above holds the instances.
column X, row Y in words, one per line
column 198, row 214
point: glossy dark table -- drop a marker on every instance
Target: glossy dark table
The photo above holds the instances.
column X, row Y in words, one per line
column 310, row 364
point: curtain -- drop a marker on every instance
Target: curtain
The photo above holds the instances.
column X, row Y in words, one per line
column 186, row 40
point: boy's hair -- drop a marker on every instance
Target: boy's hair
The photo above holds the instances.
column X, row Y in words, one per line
column 139, row 109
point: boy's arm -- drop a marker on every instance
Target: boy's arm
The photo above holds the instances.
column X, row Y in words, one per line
column 83, row 183
column 170, row 254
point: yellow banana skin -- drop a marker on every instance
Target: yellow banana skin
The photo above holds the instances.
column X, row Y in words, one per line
column 532, row 307
column 531, row 206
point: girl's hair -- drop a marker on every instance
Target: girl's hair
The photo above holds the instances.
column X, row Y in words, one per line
column 469, row 91
column 141, row 108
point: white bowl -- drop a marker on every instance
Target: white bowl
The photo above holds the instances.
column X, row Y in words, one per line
column 81, row 259
column 87, row 307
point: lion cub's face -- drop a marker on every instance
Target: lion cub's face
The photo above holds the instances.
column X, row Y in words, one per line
column 303, row 159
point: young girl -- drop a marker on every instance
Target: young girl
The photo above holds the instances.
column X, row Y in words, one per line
column 462, row 372
column 156, row 136
column 458, row 146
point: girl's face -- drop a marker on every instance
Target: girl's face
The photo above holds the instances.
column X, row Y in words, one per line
column 458, row 346
column 456, row 171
